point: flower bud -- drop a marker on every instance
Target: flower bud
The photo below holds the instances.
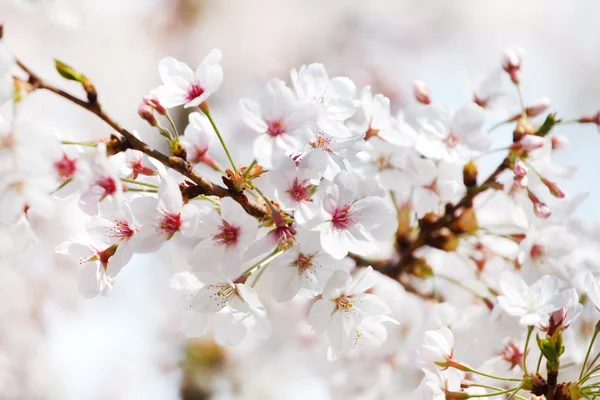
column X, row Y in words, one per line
column 147, row 114
column 521, row 182
column 590, row 119
column 153, row 102
column 520, row 169
column 511, row 63
column 538, row 107
column 557, row 319
column 529, row 143
column 456, row 395
column 559, row 142
column 554, row 189
column 541, row 210
column 470, row 174
column 421, row 92
column 177, row 149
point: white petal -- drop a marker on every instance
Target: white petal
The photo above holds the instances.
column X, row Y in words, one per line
column 320, row 314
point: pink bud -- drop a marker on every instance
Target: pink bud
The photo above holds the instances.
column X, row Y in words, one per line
column 153, row 102
column 421, row 92
column 520, row 169
column 511, row 63
column 554, row 189
column 541, row 210
column 559, row 142
column 147, row 113
column 590, row 119
column 529, row 143
column 538, row 107
column 521, row 181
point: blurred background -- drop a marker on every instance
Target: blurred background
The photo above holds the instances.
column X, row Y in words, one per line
column 55, row 345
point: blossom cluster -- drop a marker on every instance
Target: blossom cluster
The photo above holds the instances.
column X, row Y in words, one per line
column 347, row 206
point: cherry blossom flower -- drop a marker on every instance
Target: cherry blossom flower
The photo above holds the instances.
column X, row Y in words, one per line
column 295, row 183
column 343, row 306
column 115, row 226
column 303, row 268
column 492, row 92
column 104, row 183
column 19, row 190
column 162, row 217
column 133, row 163
column 347, row 223
column 335, row 95
column 283, row 122
column 193, row 324
column 437, row 349
column 440, row 385
column 532, row 304
column 226, row 237
column 97, row 273
column 197, row 138
column 375, row 119
column 234, row 308
column 182, row 86
column 334, row 154
column 454, row 138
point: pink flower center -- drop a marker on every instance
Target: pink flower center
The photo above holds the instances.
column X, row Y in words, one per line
column 322, row 142
column 137, row 168
column 343, row 303
column 228, row 234
column 301, row 191
column 451, row 140
column 285, row 236
column 275, row 128
column 65, row 167
column 108, row 185
column 170, row 223
column 512, row 354
column 537, row 251
column 123, row 230
column 199, row 154
column 342, row 217
column 193, row 91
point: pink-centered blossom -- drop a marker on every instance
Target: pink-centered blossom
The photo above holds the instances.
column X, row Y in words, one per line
column 182, row 86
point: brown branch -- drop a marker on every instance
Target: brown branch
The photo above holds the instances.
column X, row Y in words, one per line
column 201, row 186
column 395, row 268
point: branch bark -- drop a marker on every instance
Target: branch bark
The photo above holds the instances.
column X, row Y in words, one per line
column 201, row 184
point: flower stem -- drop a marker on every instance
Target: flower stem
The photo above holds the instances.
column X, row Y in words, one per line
column 247, row 171
column 62, row 185
column 86, row 144
column 521, row 101
column 587, row 355
column 130, row 189
column 474, row 371
column 150, row 185
column 212, row 122
column 529, row 331
column 172, row 123
column 495, row 393
column 265, row 260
